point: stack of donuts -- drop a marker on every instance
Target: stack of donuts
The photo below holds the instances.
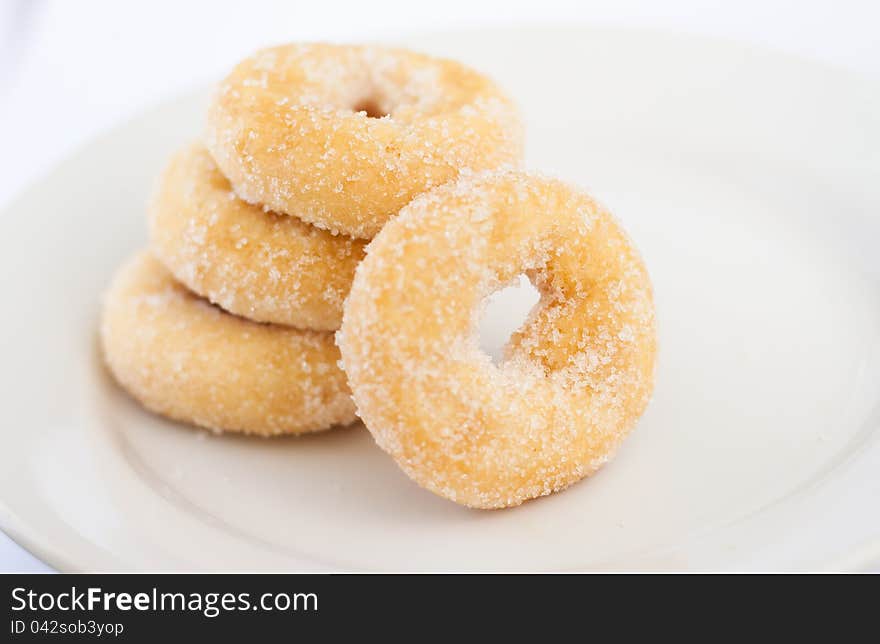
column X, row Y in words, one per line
column 262, row 306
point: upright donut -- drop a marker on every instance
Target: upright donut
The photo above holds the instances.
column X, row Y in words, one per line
column 345, row 136
column 186, row 359
column 257, row 264
column 576, row 376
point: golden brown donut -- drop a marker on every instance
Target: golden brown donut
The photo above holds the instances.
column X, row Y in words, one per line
column 186, row 359
column 260, row 265
column 345, row 136
column 576, row 376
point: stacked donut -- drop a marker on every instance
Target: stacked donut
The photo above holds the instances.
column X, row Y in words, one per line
column 227, row 320
column 259, row 254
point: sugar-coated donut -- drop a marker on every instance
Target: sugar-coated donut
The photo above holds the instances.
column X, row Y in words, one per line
column 260, row 265
column 345, row 136
column 186, row 359
column 575, row 377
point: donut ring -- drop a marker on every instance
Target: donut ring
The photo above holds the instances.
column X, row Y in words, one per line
column 260, row 265
column 575, row 378
column 186, row 359
column 293, row 128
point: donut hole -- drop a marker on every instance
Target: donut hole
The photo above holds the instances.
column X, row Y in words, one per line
column 372, row 108
column 505, row 311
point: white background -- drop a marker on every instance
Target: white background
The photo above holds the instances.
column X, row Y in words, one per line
column 69, row 70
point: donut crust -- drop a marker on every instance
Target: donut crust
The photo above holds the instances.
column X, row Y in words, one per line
column 576, row 376
column 295, row 128
column 186, row 359
column 257, row 264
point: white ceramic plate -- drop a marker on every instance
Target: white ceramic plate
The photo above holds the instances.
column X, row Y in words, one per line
column 750, row 180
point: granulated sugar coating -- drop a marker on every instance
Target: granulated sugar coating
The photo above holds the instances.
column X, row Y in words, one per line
column 188, row 360
column 345, row 136
column 257, row 264
column 576, row 376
